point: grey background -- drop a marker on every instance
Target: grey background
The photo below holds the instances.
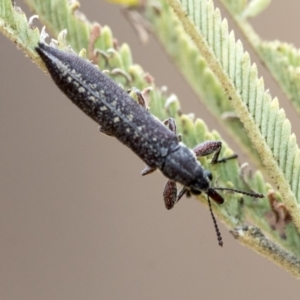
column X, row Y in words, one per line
column 77, row 221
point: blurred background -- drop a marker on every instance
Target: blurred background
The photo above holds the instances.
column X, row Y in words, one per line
column 77, row 221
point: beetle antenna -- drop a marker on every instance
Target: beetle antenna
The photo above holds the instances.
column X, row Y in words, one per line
column 251, row 194
column 219, row 237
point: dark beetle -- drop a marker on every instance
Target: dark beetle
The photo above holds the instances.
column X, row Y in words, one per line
column 120, row 116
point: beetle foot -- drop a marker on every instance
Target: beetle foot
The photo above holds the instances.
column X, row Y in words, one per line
column 104, row 131
column 147, row 170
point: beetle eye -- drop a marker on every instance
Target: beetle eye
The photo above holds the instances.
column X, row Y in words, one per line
column 208, row 174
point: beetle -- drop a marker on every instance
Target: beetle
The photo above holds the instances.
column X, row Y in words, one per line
column 118, row 115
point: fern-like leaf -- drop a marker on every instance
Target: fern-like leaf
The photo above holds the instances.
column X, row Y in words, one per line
column 282, row 59
column 61, row 15
column 264, row 121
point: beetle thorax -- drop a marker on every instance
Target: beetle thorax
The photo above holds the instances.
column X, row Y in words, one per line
column 182, row 166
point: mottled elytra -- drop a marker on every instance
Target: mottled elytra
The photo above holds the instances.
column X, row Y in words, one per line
column 118, row 115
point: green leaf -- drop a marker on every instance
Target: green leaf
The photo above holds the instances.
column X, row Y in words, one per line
column 226, row 73
column 196, row 70
column 252, row 103
column 15, row 26
column 282, row 59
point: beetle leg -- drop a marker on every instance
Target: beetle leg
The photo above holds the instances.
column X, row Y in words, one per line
column 210, row 147
column 183, row 191
column 170, row 194
column 140, row 97
column 147, row 170
column 105, row 131
column 171, row 124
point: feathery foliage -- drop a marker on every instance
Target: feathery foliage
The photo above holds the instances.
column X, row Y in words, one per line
column 221, row 73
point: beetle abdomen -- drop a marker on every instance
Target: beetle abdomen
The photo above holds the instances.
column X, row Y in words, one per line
column 109, row 105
